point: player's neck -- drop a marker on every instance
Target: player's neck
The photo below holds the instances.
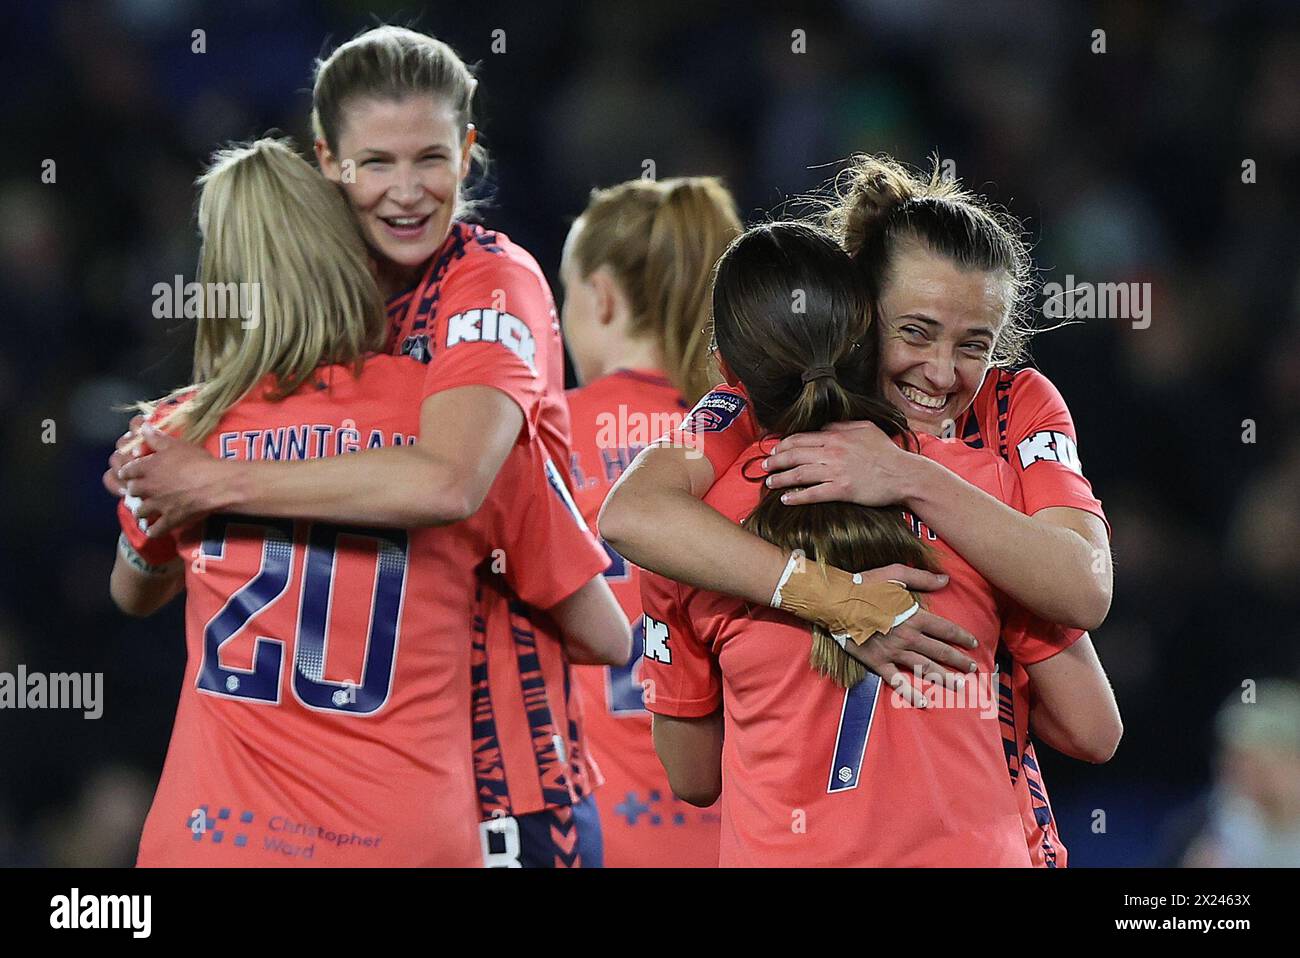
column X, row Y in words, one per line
column 641, row 354
column 394, row 279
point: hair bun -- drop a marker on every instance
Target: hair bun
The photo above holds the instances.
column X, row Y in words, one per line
column 869, row 193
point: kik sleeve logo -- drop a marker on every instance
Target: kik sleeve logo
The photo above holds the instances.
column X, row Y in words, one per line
column 493, row 326
column 656, row 641
column 1049, row 447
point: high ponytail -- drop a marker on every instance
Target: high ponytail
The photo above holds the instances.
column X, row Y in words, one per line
column 868, row 194
column 878, row 206
column 661, row 239
column 792, row 322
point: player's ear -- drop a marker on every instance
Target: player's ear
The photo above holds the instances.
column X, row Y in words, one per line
column 328, row 162
column 609, row 296
column 466, row 153
column 723, row 368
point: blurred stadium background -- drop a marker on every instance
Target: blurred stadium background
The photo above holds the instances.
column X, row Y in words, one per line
column 1126, row 165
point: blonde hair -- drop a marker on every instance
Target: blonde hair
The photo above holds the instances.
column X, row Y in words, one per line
column 879, row 206
column 268, row 219
column 661, row 240
column 392, row 63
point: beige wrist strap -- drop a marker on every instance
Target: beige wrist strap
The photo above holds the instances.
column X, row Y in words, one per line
column 841, row 601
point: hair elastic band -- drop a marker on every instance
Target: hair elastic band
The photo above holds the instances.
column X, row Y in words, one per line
column 824, row 371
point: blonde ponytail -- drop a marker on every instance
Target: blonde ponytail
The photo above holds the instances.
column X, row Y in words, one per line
column 661, row 239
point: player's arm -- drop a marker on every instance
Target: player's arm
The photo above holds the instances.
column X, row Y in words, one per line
column 593, row 627
column 653, row 517
column 1055, row 563
column 690, row 750
column 1074, row 708
column 1060, row 564
column 141, row 586
column 683, row 690
column 465, row 435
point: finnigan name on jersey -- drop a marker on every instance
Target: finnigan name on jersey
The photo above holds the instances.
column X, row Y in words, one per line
column 306, row 441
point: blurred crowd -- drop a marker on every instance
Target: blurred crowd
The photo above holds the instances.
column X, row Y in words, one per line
column 1128, row 166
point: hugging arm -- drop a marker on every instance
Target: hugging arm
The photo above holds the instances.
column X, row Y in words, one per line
column 141, row 587
column 1074, row 708
column 1059, row 568
column 690, row 750
column 595, row 630
column 465, row 435
column 654, row 517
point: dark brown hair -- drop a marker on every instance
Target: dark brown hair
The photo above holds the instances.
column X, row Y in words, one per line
column 793, row 324
column 879, row 206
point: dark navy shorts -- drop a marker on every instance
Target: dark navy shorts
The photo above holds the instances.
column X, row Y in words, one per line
column 566, row 837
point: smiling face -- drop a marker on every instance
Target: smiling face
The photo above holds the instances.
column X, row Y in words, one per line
column 408, row 158
column 937, row 324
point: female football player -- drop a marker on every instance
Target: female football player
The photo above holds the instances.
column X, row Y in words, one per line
column 324, row 718
column 813, row 771
column 945, row 275
column 392, row 114
column 636, row 272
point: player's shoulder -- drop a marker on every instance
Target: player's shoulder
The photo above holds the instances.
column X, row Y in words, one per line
column 717, row 409
column 476, row 250
column 591, row 393
column 339, row 391
column 1032, row 406
column 736, row 492
column 980, row 467
column 381, row 376
column 1016, row 402
column 384, row 371
column 1027, row 384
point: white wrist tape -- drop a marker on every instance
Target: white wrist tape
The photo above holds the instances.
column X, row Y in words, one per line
column 904, row 616
column 793, row 563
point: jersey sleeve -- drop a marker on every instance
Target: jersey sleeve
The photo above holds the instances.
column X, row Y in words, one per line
column 489, row 334
column 561, row 554
column 1032, row 639
column 1029, row 638
column 687, row 682
column 1042, row 447
column 153, row 551
column 720, row 427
